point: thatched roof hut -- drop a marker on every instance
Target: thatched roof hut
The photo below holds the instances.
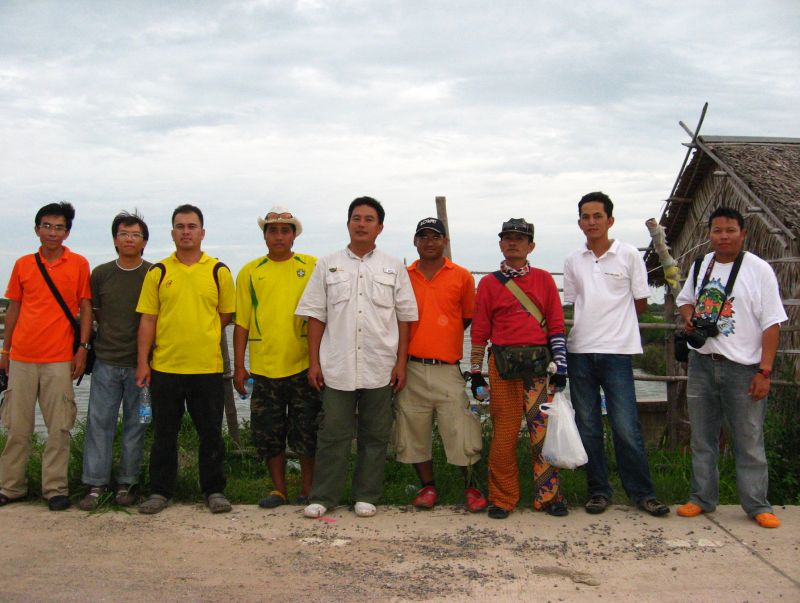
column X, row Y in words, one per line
column 761, row 178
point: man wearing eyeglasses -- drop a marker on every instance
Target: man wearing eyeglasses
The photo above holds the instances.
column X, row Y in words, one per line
column 186, row 301
column 115, row 291
column 445, row 295
column 283, row 405
column 40, row 356
column 359, row 304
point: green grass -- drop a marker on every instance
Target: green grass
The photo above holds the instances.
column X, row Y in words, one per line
column 248, row 479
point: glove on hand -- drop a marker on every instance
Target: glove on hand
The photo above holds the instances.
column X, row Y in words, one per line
column 476, row 381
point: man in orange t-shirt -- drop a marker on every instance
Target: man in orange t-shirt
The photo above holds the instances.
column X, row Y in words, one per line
column 445, row 296
column 38, row 355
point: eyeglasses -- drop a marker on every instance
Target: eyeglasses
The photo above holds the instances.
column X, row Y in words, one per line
column 430, row 237
column 276, row 216
column 130, row 235
column 55, row 227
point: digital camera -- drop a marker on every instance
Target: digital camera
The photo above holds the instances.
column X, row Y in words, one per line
column 703, row 329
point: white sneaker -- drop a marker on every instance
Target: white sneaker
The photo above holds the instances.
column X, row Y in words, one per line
column 363, row 509
column 314, row 511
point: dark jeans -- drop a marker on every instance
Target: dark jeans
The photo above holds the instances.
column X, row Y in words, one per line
column 203, row 396
column 614, row 373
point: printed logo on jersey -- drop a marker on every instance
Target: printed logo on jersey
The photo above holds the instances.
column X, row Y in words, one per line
column 709, row 303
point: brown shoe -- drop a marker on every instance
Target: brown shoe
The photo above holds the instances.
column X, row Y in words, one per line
column 92, row 499
column 124, row 497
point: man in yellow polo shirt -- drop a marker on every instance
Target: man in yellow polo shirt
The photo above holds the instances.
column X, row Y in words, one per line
column 283, row 404
column 186, row 301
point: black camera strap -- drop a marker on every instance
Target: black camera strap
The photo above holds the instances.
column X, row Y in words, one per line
column 57, row 294
column 731, row 279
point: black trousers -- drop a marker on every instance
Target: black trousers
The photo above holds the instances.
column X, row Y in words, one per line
column 204, row 399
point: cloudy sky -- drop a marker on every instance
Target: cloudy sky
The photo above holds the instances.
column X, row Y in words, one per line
column 506, row 108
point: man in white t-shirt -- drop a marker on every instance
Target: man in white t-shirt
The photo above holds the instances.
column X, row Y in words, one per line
column 729, row 372
column 606, row 281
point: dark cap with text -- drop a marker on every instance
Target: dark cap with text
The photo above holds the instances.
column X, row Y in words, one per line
column 516, row 225
column 433, row 224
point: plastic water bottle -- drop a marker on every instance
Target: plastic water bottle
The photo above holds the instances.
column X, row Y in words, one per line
column 145, row 406
column 603, row 409
column 248, row 386
column 484, row 393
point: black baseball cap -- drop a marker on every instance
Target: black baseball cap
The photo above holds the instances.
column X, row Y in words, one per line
column 431, row 224
column 516, row 225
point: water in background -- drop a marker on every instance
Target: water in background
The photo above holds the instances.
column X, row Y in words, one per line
column 645, row 390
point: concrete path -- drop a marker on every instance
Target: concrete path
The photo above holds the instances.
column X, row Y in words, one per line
column 187, row 554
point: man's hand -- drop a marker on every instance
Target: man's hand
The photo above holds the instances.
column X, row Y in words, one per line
column 4, row 363
column 759, row 387
column 240, row 375
column 476, row 380
column 79, row 362
column 315, row 378
column 558, row 381
column 398, row 378
column 142, row 375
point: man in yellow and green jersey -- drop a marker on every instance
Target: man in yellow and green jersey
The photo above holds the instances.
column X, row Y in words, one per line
column 283, row 405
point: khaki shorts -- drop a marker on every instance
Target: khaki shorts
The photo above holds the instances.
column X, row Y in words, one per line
column 438, row 388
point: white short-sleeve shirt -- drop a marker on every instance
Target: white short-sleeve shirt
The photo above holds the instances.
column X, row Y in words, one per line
column 360, row 300
column 753, row 306
column 603, row 290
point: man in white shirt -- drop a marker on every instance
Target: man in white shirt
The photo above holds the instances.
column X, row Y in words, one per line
column 733, row 337
column 606, row 280
column 359, row 304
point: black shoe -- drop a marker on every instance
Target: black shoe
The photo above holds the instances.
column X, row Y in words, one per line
column 58, row 503
column 497, row 512
column 596, row 504
column 557, row 509
column 654, row 507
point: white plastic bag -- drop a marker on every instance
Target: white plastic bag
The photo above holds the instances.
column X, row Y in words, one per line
column 562, row 442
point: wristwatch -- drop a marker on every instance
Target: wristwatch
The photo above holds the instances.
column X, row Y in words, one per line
column 765, row 372
column 85, row 345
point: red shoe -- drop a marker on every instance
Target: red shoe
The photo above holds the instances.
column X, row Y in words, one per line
column 425, row 498
column 475, row 500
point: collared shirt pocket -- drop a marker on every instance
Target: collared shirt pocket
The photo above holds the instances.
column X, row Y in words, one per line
column 383, row 290
column 338, row 287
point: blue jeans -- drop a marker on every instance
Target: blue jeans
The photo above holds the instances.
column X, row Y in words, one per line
column 110, row 386
column 614, row 373
column 717, row 394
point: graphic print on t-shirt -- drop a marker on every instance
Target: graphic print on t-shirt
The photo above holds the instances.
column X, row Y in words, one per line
column 708, row 306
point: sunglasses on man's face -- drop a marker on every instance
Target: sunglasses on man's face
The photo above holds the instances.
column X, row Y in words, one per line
column 276, row 216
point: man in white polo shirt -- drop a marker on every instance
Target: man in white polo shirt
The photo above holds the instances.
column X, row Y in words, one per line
column 606, row 281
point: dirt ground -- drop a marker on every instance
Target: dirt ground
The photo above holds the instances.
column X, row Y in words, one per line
column 187, row 554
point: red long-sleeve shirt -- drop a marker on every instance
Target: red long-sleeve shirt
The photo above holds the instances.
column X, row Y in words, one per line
column 500, row 318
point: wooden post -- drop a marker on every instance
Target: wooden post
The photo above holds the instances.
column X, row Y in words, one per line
column 673, row 387
column 441, row 213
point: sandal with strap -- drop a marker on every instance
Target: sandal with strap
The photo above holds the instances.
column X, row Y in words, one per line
column 123, row 495
column 276, row 498
column 92, row 499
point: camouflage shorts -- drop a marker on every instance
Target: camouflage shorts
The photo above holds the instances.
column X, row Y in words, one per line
column 281, row 409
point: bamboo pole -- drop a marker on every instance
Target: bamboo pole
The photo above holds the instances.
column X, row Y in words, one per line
column 441, row 213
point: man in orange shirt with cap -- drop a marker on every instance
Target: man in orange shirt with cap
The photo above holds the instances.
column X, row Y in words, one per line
column 445, row 295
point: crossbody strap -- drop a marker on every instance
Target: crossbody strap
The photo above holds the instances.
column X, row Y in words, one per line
column 54, row 290
column 731, row 279
column 523, row 298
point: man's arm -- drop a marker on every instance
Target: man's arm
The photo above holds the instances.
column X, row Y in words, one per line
column 12, row 314
column 687, row 311
column 79, row 360
column 240, row 373
column 640, row 305
column 759, row 386
column 398, row 378
column 225, row 319
column 315, row 330
column 144, row 343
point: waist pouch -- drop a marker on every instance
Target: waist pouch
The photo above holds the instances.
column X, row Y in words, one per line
column 514, row 360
